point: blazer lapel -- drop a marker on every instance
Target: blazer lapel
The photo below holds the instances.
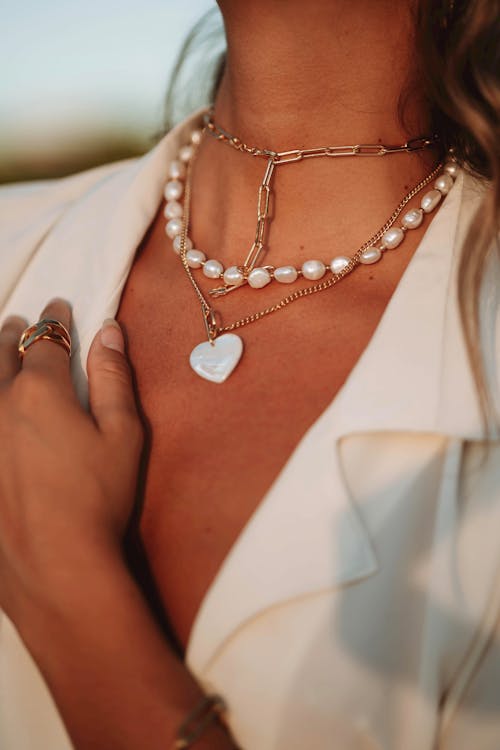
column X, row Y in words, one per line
column 438, row 405
column 309, row 533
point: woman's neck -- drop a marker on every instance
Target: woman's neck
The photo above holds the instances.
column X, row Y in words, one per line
column 299, row 75
column 320, row 72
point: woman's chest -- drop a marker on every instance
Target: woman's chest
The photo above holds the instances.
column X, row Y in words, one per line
column 215, row 449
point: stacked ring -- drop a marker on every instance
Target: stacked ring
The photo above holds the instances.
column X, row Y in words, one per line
column 45, row 329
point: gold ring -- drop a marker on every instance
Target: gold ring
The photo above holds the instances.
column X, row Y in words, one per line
column 46, row 329
column 57, row 324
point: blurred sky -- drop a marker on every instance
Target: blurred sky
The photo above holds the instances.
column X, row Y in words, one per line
column 69, row 67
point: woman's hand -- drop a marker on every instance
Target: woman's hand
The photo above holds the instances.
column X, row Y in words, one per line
column 67, row 485
column 67, row 478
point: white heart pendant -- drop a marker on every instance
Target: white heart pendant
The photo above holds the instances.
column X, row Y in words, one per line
column 216, row 361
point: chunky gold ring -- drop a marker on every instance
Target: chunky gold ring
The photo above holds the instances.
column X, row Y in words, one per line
column 57, row 324
column 45, row 329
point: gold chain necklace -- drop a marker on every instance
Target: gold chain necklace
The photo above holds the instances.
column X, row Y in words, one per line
column 282, row 157
column 215, row 359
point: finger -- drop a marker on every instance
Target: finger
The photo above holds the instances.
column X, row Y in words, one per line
column 111, row 395
column 10, row 333
column 48, row 356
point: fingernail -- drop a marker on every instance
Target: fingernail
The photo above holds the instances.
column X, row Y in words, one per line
column 112, row 336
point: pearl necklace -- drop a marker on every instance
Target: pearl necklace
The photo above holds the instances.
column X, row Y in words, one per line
column 215, row 359
column 312, row 270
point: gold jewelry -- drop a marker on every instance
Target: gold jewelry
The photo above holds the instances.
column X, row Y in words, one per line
column 213, row 330
column 45, row 329
column 206, row 713
column 237, row 276
column 281, row 157
column 216, row 359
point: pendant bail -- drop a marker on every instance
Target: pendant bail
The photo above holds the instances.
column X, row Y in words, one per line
column 210, row 324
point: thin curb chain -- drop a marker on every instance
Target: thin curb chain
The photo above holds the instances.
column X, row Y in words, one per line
column 213, row 330
column 208, row 313
column 282, row 157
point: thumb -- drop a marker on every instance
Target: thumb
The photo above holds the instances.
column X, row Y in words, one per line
column 111, row 395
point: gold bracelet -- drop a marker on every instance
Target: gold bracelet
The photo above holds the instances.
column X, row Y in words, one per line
column 198, row 720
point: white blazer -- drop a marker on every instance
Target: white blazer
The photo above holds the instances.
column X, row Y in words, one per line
column 358, row 609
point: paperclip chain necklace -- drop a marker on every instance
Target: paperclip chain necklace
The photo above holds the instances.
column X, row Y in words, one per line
column 215, row 359
column 249, row 273
column 280, row 157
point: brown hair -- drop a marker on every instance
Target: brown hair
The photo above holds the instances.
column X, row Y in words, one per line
column 459, row 48
column 458, row 51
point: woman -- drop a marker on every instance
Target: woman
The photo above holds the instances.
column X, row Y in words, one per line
column 321, row 525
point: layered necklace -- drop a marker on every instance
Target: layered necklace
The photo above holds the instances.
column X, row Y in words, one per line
column 216, row 358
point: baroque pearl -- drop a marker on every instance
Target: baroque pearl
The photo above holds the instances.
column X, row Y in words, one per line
column 213, row 269
column 196, row 137
column 285, row 274
column 313, row 270
column 339, row 263
column 216, row 360
column 173, row 210
column 451, row 168
column 195, row 258
column 173, row 190
column 176, row 244
column 176, row 170
column 370, row 255
column 186, row 153
column 413, row 218
column 430, row 200
column 233, row 276
column 444, row 183
column 173, row 228
column 259, row 277
column 392, row 238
